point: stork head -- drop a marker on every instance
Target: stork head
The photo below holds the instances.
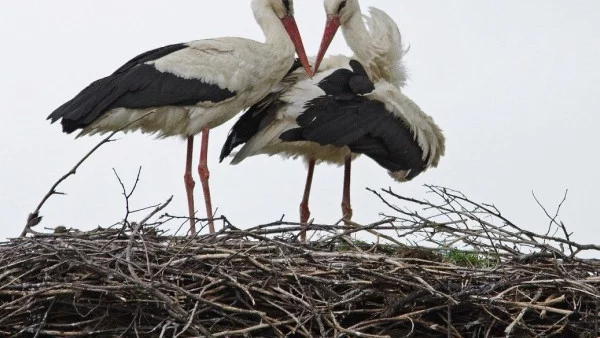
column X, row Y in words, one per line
column 338, row 13
column 284, row 9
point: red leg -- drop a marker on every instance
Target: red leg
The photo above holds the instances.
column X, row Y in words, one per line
column 304, row 211
column 189, row 184
column 346, row 207
column 204, row 175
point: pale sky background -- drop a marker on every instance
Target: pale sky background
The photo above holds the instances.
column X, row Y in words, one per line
column 514, row 84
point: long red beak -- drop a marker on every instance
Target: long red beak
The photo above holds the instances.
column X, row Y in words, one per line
column 331, row 27
column 292, row 29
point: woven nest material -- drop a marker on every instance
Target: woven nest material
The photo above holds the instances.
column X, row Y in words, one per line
column 480, row 280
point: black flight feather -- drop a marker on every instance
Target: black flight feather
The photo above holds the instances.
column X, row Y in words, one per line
column 344, row 117
column 256, row 117
column 136, row 85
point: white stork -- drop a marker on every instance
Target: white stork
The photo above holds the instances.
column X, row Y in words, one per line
column 190, row 88
column 352, row 106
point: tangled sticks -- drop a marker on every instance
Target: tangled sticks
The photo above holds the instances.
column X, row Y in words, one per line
column 473, row 274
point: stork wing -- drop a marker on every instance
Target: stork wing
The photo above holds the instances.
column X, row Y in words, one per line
column 260, row 114
column 365, row 126
column 174, row 75
column 345, row 117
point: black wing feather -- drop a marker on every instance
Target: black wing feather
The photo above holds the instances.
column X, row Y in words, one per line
column 346, row 118
column 341, row 117
column 256, row 117
column 136, row 85
column 329, row 123
column 150, row 55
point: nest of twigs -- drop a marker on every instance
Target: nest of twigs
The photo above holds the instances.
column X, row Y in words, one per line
column 473, row 274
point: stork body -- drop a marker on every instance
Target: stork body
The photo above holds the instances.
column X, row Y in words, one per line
column 352, row 106
column 184, row 89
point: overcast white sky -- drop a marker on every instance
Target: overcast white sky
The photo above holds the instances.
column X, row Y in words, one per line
column 514, row 84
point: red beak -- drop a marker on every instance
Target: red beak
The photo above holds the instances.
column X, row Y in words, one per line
column 292, row 29
column 331, row 27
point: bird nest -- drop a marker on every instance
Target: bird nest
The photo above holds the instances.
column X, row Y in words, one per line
column 447, row 268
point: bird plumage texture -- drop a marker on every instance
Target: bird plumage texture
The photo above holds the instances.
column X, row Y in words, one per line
column 183, row 88
column 329, row 117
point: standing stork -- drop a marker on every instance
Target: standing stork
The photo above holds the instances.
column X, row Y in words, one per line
column 188, row 88
column 352, row 106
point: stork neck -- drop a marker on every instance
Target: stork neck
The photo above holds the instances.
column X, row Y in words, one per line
column 358, row 38
column 272, row 27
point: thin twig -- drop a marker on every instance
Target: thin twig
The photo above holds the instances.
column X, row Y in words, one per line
column 33, row 219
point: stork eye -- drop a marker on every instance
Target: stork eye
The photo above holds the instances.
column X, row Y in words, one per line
column 342, row 5
column 288, row 8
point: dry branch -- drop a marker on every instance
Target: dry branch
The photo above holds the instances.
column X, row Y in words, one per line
column 34, row 218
